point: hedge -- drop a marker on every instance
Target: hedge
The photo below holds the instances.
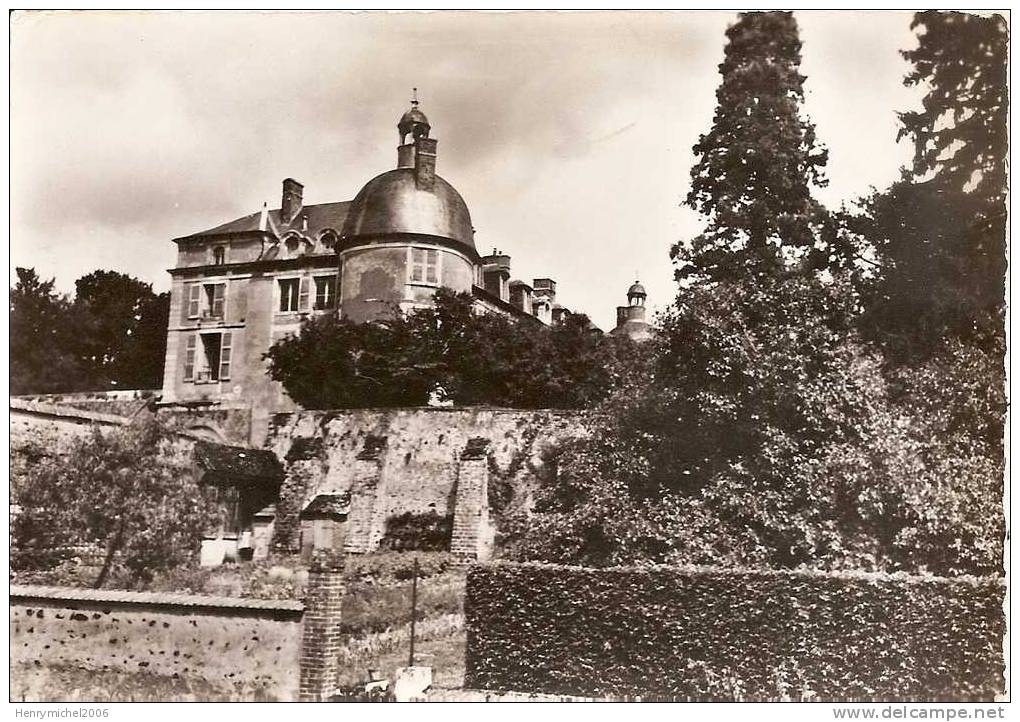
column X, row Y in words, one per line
column 711, row 633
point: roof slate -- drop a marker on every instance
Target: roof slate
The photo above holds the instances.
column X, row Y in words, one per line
column 320, row 217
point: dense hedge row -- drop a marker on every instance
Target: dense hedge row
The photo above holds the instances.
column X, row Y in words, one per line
column 725, row 634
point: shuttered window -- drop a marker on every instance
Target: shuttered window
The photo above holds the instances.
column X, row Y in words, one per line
column 189, row 358
column 194, row 300
column 225, row 356
column 303, row 300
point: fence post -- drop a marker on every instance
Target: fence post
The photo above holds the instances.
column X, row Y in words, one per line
column 320, row 636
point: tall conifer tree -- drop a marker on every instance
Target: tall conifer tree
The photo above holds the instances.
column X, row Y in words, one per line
column 756, row 166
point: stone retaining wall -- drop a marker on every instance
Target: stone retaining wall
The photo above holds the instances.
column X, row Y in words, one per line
column 244, row 648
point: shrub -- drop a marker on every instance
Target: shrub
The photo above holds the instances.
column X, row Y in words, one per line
column 731, row 633
column 418, row 532
column 393, row 567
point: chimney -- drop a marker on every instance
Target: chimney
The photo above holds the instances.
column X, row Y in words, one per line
column 405, row 155
column 291, row 204
column 545, row 288
column 520, row 296
column 425, row 163
column 496, row 274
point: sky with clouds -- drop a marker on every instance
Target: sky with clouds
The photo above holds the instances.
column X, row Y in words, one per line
column 568, row 134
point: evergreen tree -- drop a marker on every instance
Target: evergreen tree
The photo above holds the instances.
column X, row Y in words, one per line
column 940, row 232
column 960, row 136
column 756, row 166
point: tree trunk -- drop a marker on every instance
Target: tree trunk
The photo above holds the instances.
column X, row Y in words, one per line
column 111, row 550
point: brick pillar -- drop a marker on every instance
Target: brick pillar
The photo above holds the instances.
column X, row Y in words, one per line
column 320, row 634
column 366, row 520
column 301, row 477
column 471, row 508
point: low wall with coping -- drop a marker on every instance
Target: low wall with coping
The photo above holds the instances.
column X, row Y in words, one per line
column 242, row 648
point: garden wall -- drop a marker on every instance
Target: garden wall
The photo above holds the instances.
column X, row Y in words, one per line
column 226, row 648
column 417, row 468
column 708, row 633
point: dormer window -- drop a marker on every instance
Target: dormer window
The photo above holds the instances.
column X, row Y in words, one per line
column 219, row 255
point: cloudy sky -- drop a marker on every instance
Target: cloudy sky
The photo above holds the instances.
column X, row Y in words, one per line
column 568, row 134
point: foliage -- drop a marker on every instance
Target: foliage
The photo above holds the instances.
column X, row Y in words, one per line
column 943, row 271
column 418, row 532
column 563, row 630
column 960, row 135
column 466, row 357
column 756, row 166
column 387, row 568
column 371, row 608
column 43, row 340
column 940, row 232
column 128, row 491
column 113, row 335
column 764, row 435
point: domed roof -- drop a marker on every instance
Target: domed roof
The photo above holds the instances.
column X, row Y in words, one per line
column 410, row 118
column 392, row 203
column 636, row 290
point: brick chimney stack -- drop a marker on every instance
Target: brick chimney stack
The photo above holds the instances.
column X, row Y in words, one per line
column 425, row 162
column 292, row 201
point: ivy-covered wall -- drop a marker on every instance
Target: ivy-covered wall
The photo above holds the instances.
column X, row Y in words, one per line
column 708, row 633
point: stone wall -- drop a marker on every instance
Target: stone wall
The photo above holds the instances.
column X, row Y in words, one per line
column 241, row 648
column 418, row 466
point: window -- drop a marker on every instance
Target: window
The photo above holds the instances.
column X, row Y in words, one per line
column 206, row 300
column 207, row 357
column 219, row 255
column 424, row 265
column 214, row 295
column 325, row 292
column 289, row 289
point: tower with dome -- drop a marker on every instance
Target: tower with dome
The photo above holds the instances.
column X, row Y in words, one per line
column 239, row 287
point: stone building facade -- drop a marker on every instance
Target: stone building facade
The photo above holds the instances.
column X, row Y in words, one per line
column 241, row 286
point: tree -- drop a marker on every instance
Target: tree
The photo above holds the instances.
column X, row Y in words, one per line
column 756, row 166
column 960, row 136
column 123, row 334
column 940, row 232
column 128, row 492
column 112, row 334
column 43, row 337
column 765, row 434
column 448, row 349
column 942, row 271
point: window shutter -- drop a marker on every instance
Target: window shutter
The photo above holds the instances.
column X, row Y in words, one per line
column 303, row 299
column 225, row 357
column 189, row 358
column 219, row 293
column 194, row 299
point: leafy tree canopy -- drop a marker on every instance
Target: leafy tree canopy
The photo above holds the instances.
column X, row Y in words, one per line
column 764, row 434
column 940, row 232
column 960, row 135
column 451, row 350
column 129, row 492
column 112, row 335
